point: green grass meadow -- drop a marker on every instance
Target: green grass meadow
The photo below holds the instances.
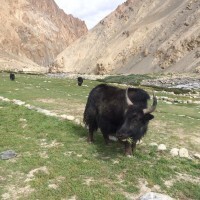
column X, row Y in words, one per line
column 55, row 162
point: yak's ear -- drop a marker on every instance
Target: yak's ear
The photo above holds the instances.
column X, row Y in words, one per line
column 148, row 117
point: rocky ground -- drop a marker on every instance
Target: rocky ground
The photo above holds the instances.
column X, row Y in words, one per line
column 190, row 82
column 74, row 76
column 182, row 81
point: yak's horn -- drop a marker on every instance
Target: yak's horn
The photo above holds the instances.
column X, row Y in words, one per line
column 153, row 107
column 127, row 99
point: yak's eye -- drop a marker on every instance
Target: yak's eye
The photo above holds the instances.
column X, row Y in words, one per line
column 132, row 119
column 136, row 116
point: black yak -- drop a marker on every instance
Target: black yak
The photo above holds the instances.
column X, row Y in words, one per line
column 12, row 76
column 80, row 81
column 119, row 112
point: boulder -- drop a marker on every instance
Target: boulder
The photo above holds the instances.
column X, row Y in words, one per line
column 162, row 147
column 174, row 152
column 183, row 153
column 196, row 155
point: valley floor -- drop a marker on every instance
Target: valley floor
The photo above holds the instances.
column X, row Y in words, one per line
column 54, row 161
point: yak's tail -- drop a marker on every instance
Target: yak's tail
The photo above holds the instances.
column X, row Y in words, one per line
column 90, row 114
column 85, row 114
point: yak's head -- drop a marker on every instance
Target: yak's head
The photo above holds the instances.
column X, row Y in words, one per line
column 136, row 120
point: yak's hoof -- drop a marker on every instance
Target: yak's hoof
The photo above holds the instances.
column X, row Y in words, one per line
column 128, row 154
column 108, row 142
column 90, row 141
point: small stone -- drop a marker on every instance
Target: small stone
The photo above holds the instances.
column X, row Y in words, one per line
column 113, row 138
column 196, row 155
column 174, row 152
column 52, row 114
column 156, row 188
column 77, row 121
column 189, row 101
column 139, row 142
column 155, row 196
column 63, row 116
column 72, row 198
column 162, row 147
column 183, row 153
column 115, row 161
column 70, row 118
column 53, row 186
column 29, row 106
column 22, row 120
column 5, row 99
column 153, row 144
column 44, row 111
column 186, row 24
column 82, row 124
column 7, row 154
column 167, row 102
column 18, row 102
column 68, row 153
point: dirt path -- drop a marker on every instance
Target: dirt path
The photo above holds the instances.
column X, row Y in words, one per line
column 75, row 116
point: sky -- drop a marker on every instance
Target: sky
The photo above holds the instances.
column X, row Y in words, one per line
column 90, row 11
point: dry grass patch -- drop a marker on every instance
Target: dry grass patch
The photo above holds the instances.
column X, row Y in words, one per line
column 32, row 173
column 52, row 144
column 15, row 192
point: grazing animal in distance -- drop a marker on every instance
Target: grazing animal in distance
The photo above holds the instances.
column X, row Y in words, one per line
column 12, row 76
column 119, row 112
column 80, row 80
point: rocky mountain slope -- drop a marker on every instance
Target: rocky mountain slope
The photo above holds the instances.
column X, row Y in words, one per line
column 14, row 63
column 37, row 30
column 140, row 36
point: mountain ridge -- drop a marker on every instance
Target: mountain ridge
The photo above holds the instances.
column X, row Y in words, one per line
column 138, row 37
column 37, row 30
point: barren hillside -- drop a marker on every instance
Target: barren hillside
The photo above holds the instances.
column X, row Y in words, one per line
column 37, row 30
column 14, row 63
column 139, row 37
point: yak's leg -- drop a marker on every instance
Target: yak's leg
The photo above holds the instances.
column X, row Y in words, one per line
column 92, row 127
column 105, row 129
column 106, row 138
column 133, row 146
column 129, row 148
column 90, row 138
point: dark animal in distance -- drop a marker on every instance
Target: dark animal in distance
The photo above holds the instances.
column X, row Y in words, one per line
column 80, row 81
column 119, row 112
column 12, row 76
